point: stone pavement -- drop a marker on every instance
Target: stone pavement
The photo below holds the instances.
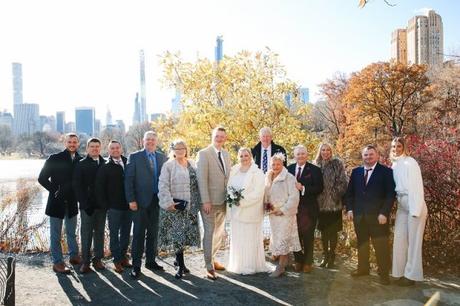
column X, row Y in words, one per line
column 36, row 284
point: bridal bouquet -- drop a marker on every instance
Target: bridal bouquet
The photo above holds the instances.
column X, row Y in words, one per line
column 234, row 196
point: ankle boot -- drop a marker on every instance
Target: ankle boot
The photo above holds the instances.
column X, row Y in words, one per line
column 180, row 263
column 330, row 261
column 324, row 262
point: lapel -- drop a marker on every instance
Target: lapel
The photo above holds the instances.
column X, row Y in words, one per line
column 214, row 155
column 306, row 172
column 374, row 173
column 146, row 161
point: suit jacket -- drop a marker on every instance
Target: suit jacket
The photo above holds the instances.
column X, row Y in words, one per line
column 257, row 155
column 56, row 177
column 312, row 180
column 84, row 183
column 110, row 185
column 377, row 197
column 212, row 180
column 139, row 177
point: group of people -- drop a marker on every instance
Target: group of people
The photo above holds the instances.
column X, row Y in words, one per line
column 164, row 200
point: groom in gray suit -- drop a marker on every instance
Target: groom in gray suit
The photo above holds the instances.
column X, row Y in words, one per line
column 213, row 170
column 141, row 187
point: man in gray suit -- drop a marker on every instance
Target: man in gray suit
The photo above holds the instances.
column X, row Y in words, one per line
column 213, row 170
column 141, row 187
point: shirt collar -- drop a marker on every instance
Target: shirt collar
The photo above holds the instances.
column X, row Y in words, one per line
column 371, row 167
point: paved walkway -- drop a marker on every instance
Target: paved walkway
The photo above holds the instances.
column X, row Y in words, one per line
column 36, row 284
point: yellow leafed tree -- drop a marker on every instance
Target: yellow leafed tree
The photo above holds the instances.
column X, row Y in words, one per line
column 242, row 93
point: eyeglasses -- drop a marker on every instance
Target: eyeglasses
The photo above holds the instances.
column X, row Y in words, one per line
column 179, row 149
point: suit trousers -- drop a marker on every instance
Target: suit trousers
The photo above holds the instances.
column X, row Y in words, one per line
column 407, row 244
column 92, row 231
column 213, row 225
column 120, row 229
column 307, row 239
column 366, row 228
column 145, row 233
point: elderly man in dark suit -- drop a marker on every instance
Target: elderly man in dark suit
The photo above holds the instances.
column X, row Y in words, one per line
column 141, row 187
column 310, row 185
column 369, row 199
column 265, row 149
column 56, row 177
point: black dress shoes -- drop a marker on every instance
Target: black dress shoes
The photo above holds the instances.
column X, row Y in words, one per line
column 135, row 273
column 358, row 273
column 153, row 266
column 405, row 282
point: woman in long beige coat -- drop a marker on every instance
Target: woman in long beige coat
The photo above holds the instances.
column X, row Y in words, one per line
column 283, row 197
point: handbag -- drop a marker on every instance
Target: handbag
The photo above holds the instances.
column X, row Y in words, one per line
column 180, row 204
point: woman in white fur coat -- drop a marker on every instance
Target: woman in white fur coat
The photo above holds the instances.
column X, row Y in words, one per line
column 410, row 216
column 246, row 238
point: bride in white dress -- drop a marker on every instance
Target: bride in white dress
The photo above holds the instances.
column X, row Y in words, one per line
column 247, row 254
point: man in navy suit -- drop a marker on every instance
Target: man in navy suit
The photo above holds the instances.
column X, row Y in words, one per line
column 369, row 199
column 141, row 187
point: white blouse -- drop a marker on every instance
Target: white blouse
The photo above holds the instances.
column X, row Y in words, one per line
column 408, row 179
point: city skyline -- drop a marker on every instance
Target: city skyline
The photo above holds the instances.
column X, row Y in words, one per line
column 97, row 63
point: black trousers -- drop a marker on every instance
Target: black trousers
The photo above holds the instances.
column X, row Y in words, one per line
column 145, row 233
column 367, row 227
column 307, row 238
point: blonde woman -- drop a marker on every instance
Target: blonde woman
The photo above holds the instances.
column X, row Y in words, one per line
column 282, row 195
column 180, row 198
column 410, row 216
column 330, row 201
column 246, row 239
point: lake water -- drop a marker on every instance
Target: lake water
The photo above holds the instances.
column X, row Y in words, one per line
column 12, row 170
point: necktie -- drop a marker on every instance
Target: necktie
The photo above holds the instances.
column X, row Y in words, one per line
column 153, row 165
column 366, row 175
column 220, row 160
column 119, row 162
column 299, row 173
column 265, row 161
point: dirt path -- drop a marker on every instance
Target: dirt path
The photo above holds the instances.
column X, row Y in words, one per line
column 36, row 284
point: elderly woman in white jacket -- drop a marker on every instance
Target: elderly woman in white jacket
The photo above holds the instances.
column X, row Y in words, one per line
column 246, row 237
column 410, row 216
column 282, row 200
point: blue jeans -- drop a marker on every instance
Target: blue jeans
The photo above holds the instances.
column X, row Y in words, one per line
column 120, row 229
column 55, row 237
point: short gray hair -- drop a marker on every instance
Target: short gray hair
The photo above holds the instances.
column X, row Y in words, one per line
column 150, row 133
column 278, row 156
column 265, row 131
column 300, row 147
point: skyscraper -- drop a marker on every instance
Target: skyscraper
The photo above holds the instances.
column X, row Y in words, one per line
column 26, row 119
column 108, row 117
column 136, row 115
column 399, row 46
column 424, row 42
column 85, row 120
column 17, row 83
column 143, row 106
column 304, row 94
column 60, row 122
column 219, row 49
column 175, row 103
column 6, row 119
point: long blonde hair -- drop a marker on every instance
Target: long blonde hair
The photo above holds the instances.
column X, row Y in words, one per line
column 319, row 159
column 402, row 141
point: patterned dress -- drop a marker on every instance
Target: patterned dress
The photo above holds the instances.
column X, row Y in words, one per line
column 179, row 229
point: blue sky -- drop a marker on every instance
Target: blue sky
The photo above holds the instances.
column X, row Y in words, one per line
column 85, row 53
